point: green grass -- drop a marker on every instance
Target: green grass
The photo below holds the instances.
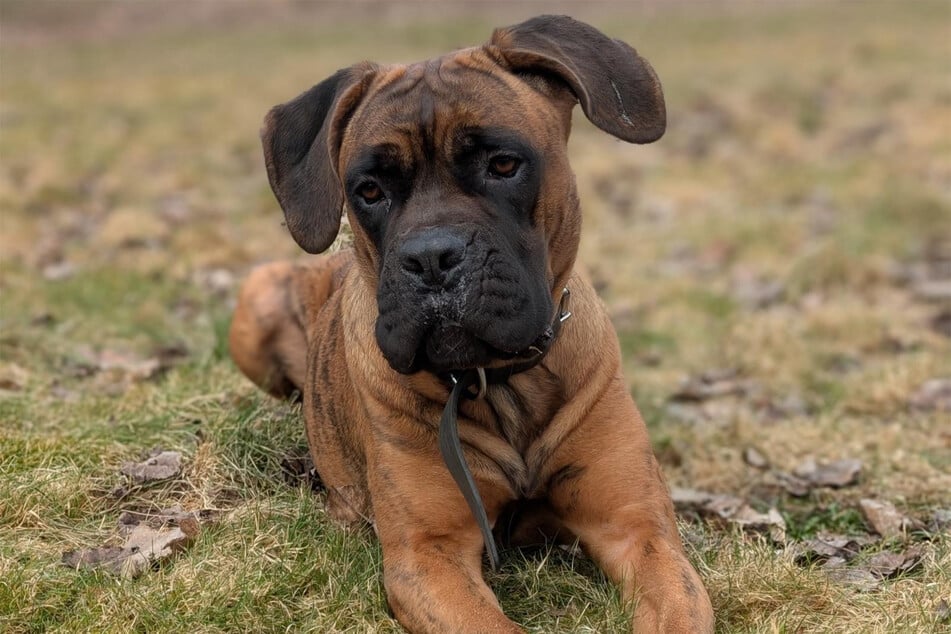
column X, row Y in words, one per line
column 132, row 155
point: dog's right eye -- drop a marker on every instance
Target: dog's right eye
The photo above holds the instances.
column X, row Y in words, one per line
column 370, row 193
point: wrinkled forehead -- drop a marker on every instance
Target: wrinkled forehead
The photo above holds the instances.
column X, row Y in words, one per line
column 424, row 107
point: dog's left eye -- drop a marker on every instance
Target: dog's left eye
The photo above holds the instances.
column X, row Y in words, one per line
column 503, row 166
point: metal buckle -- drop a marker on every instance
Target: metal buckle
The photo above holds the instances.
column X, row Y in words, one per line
column 565, row 314
column 483, row 383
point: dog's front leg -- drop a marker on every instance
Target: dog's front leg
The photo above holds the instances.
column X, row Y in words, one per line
column 608, row 490
column 432, row 547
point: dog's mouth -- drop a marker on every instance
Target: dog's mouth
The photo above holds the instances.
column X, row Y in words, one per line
column 450, row 346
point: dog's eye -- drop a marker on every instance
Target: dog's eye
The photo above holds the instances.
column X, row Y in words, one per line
column 370, row 193
column 503, row 166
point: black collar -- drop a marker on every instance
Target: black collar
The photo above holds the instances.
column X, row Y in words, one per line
column 449, row 445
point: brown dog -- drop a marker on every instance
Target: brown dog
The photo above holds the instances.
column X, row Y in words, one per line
column 454, row 175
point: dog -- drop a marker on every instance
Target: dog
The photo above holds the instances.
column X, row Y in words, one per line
column 447, row 322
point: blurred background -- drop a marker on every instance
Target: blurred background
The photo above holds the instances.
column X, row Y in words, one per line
column 778, row 267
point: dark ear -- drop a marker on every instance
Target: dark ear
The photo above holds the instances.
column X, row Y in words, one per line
column 617, row 88
column 297, row 138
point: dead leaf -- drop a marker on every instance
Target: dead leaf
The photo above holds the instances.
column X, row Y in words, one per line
column 188, row 521
column 886, row 564
column 731, row 510
column 170, row 355
column 781, row 408
column 794, row 486
column 130, row 366
column 885, row 519
column 216, row 281
column 297, row 466
column 160, row 465
column 932, row 290
column 770, row 522
column 858, row 578
column 95, row 558
column 59, row 271
column 934, row 395
column 943, row 611
column 13, row 378
column 940, row 520
column 709, row 385
column 132, row 227
column 755, row 458
column 755, row 292
column 838, row 473
column 827, row 546
column 941, row 323
column 143, row 547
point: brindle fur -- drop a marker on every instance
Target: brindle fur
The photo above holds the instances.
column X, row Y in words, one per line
column 559, row 450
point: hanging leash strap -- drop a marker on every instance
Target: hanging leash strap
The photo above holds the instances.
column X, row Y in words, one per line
column 451, row 450
column 449, row 444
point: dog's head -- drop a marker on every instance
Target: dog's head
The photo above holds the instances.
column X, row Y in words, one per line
column 455, row 178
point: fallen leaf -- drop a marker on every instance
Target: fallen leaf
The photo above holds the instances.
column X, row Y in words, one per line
column 217, row 281
column 943, row 611
column 160, row 465
column 858, row 578
column 838, row 473
column 13, row 378
column 940, row 520
column 42, row 319
column 755, row 458
column 170, row 355
column 887, row 564
column 59, row 271
column 794, row 486
column 941, row 323
column 130, row 366
column 789, row 406
column 932, row 290
column 188, row 521
column 827, row 547
column 709, row 385
column 834, row 562
column 731, row 510
column 110, row 558
column 143, row 547
column 934, row 395
column 297, row 467
column 130, row 227
column 770, row 522
column 697, row 501
column 885, row 519
column 756, row 293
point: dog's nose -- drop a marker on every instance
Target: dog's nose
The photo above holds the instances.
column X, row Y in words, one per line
column 432, row 256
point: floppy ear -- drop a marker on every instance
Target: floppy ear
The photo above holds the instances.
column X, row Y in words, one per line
column 618, row 90
column 300, row 151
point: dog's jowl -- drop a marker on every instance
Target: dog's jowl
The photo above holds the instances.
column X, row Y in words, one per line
column 454, row 176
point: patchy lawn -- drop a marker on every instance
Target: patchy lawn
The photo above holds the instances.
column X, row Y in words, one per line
column 778, row 267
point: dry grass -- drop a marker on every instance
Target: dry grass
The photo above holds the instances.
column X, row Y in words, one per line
column 809, row 148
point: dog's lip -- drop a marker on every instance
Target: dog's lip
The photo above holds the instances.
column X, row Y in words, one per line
column 493, row 357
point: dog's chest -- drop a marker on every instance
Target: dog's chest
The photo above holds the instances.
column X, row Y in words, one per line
column 523, row 407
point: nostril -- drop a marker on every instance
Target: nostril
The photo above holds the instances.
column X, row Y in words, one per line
column 412, row 265
column 449, row 259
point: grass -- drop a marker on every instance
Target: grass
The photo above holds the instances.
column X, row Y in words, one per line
column 808, row 145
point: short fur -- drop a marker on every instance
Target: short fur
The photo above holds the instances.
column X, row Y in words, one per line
column 459, row 262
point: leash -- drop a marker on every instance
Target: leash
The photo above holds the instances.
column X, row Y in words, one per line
column 449, row 444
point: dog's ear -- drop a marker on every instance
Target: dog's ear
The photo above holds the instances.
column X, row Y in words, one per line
column 301, row 140
column 618, row 90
